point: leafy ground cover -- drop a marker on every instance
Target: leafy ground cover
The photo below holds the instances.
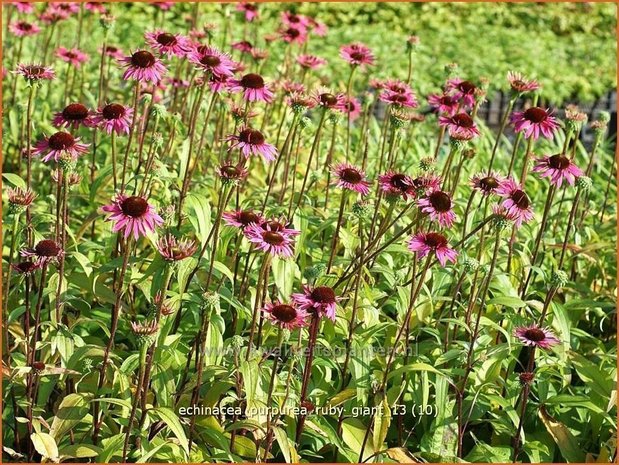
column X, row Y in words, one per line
column 281, row 233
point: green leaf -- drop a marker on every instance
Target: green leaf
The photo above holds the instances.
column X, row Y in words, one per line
column 382, row 420
column 111, row 446
column 14, row 179
column 80, row 451
column 45, row 445
column 170, row 418
column 353, row 432
column 72, row 410
column 507, row 301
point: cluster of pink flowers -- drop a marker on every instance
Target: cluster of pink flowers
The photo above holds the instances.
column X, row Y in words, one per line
column 316, row 301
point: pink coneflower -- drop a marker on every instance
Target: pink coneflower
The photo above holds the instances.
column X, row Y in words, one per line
column 463, row 91
column 397, row 184
column 70, row 8
column 73, row 115
column 43, row 252
column 520, row 84
column 293, row 34
column 558, row 168
column 218, row 83
column 231, row 174
column 350, row 177
column 536, row 336
column 95, row 7
column 252, row 142
column 243, row 46
column 296, row 20
column 487, row 183
column 427, row 183
column 113, row 52
column 24, row 7
column 318, row 28
column 211, row 60
column 26, row 267
column 398, row 99
column 279, row 225
column 114, row 117
column 516, row 201
column 165, row 6
column 286, row 316
column 253, row 87
column 143, row 66
column 59, row 145
column 357, row 54
column 443, row 104
column 320, row 300
column 460, row 123
column 397, row 86
column 311, row 61
column 242, row 218
column 35, row 72
column 168, row 44
column 173, row 250
column 351, row 107
column 74, row 56
column 269, row 240
column 51, row 16
column 533, row 121
column 439, row 206
column 250, row 10
column 424, row 243
column 376, row 83
column 324, row 98
column 133, row 215
column 24, row 28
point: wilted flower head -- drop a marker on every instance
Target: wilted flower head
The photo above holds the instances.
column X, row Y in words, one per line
column 171, row 249
column 574, row 118
column 424, row 243
column 520, row 84
column 133, row 215
column 20, row 199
